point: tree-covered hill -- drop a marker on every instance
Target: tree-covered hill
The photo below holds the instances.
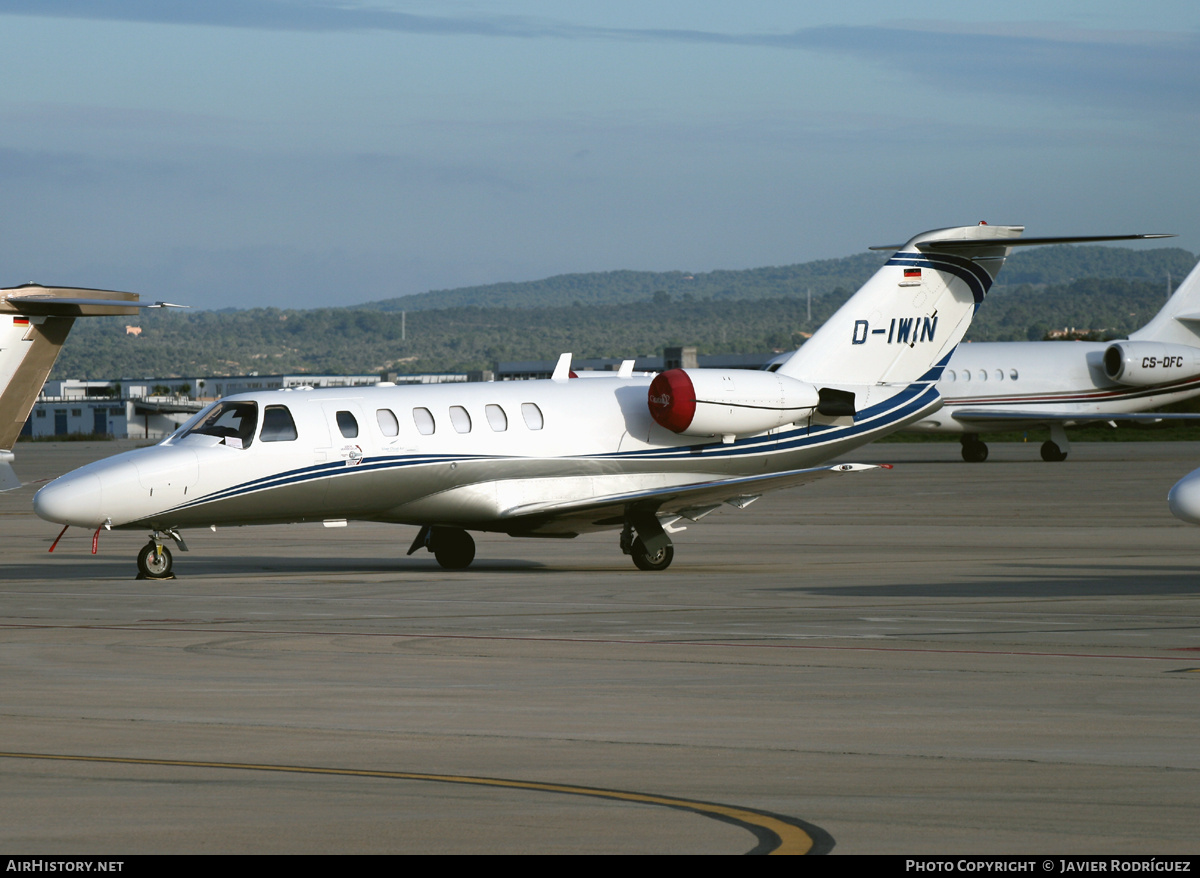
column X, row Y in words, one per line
column 1037, row 265
column 457, row 338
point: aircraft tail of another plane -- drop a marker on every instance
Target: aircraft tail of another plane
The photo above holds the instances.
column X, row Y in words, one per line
column 1179, row 320
column 908, row 318
column 34, row 323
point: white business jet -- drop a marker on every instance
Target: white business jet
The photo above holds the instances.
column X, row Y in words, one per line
column 34, row 322
column 998, row 386
column 557, row 457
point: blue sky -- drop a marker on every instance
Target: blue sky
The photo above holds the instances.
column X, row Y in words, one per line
column 299, row 153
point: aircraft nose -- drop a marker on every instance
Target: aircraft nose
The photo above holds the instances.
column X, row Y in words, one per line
column 73, row 499
column 1184, row 498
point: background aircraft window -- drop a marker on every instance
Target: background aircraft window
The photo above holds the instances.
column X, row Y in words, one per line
column 278, row 425
column 950, row 375
column 347, row 424
column 1012, row 374
column 999, row 374
column 966, row 374
column 532, row 415
column 423, row 418
column 387, row 422
column 983, row 374
column 460, row 419
column 496, row 417
column 232, row 422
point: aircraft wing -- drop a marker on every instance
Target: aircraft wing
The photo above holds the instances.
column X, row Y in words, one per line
column 692, row 501
column 985, row 415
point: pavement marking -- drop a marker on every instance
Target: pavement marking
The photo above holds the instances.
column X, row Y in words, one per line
column 775, row 834
column 230, row 628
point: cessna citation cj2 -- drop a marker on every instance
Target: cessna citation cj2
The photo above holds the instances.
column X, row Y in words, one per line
column 557, row 457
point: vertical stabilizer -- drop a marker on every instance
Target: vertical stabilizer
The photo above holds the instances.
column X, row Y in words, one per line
column 1179, row 320
column 34, row 322
column 908, row 318
column 28, row 350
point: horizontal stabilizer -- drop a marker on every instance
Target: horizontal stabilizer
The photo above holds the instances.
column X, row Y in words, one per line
column 35, row 300
column 952, row 244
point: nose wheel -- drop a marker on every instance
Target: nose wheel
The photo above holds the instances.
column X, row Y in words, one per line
column 154, row 562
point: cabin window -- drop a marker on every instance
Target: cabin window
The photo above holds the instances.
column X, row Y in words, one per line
column 232, row 422
column 999, row 374
column 347, row 424
column 532, row 415
column 388, row 424
column 460, row 419
column 496, row 418
column 423, row 418
column 950, row 375
column 1012, row 374
column 278, row 425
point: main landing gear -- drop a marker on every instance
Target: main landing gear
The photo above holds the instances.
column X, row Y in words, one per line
column 974, row 450
column 1054, row 449
column 453, row 547
column 650, row 547
column 154, row 560
column 1051, row 452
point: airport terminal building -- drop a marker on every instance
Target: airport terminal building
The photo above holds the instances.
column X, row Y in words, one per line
column 152, row 408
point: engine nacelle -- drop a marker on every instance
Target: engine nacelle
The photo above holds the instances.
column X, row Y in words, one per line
column 1143, row 363
column 728, row 402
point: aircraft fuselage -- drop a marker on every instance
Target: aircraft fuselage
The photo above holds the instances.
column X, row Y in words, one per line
column 467, row 455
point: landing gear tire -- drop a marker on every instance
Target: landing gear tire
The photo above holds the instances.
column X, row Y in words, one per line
column 154, row 562
column 647, row 560
column 974, row 451
column 1051, row 452
column 453, row 548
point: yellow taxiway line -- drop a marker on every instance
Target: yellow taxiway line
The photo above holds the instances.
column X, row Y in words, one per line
column 775, row 834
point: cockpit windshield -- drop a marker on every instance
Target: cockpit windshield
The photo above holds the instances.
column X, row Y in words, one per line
column 232, row 423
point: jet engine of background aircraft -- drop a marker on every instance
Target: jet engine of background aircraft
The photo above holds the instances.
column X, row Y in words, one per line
column 728, row 402
column 1146, row 363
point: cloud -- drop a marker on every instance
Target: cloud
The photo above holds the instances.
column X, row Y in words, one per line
column 1139, row 69
column 1127, row 69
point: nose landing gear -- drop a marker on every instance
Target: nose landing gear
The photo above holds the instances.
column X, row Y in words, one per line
column 154, row 560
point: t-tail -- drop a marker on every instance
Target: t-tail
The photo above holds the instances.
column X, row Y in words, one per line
column 905, row 322
column 34, row 323
column 874, row 365
column 907, row 319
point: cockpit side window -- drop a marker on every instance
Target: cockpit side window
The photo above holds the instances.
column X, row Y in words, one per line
column 232, row 422
column 278, row 425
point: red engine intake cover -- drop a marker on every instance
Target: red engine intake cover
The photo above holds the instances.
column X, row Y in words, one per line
column 672, row 400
